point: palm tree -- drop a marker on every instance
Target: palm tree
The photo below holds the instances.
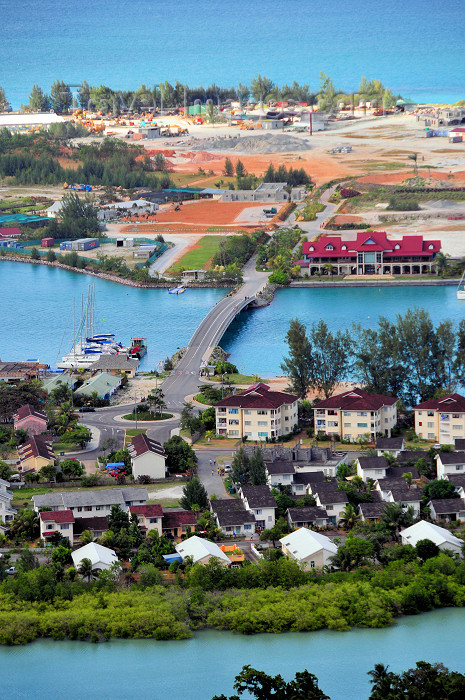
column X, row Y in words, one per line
column 349, row 517
column 358, row 482
column 408, row 478
column 381, row 680
column 86, row 537
column 85, row 568
column 414, row 157
column 442, row 264
column 329, row 269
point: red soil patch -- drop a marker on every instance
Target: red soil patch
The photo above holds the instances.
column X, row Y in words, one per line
column 398, row 178
column 340, row 219
column 206, row 212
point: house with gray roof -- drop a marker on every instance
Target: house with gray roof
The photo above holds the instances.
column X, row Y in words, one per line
column 372, row 511
column 371, row 467
column 307, row 516
column 232, row 518
column 448, row 509
column 116, row 364
column 450, row 463
column 332, row 499
column 260, row 501
column 89, row 503
column 390, row 445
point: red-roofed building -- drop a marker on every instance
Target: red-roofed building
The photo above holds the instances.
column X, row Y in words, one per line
column 147, row 457
column 256, row 413
column 150, row 516
column 12, row 232
column 355, row 414
column 31, row 419
column 441, row 420
column 370, row 253
column 52, row 521
column 35, row 454
column 178, row 522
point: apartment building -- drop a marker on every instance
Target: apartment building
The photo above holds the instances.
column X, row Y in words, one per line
column 256, row 413
column 356, row 414
column 441, row 420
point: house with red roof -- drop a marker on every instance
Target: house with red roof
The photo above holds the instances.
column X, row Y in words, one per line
column 356, row 414
column 370, row 253
column 12, row 232
column 256, row 413
column 441, row 420
column 53, row 521
column 150, row 517
column 35, row 454
column 177, row 523
column 31, row 419
column 147, row 457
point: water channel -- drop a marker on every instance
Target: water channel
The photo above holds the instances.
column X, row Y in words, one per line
column 205, row 665
column 37, row 315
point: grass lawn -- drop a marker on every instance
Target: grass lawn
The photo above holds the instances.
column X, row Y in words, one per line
column 197, row 258
column 132, row 432
column 147, row 416
column 238, row 379
column 165, row 502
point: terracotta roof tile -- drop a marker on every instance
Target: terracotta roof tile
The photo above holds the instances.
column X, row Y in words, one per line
column 357, row 399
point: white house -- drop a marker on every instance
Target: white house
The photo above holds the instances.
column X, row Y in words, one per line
column 428, row 531
column 448, row 509
column 101, row 557
column 390, row 445
column 53, row 521
column 450, row 463
column 147, row 457
column 310, row 548
column 150, row 517
column 371, row 467
column 329, row 497
column 260, row 501
column 7, row 513
column 201, row 551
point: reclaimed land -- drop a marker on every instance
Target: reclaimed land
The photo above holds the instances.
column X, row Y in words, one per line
column 258, row 598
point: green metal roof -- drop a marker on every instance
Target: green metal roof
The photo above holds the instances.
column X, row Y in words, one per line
column 53, row 382
column 400, row 103
column 101, row 383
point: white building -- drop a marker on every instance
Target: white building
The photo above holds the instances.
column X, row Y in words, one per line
column 147, row 457
column 309, row 548
column 371, row 467
column 101, row 557
column 7, row 513
column 131, row 208
column 87, row 503
column 53, row 521
column 450, row 463
column 260, row 501
column 428, row 531
column 201, row 551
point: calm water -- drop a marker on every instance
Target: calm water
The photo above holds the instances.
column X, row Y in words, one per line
column 37, row 315
column 414, row 46
column 37, row 304
column 256, row 340
column 201, row 667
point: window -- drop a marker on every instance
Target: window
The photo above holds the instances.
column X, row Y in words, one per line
column 299, row 487
column 312, row 564
column 247, row 422
column 379, row 471
column 430, row 424
column 361, row 413
column 234, row 432
column 420, row 413
column 247, row 527
column 329, row 507
column 286, row 476
column 262, row 422
column 49, row 527
column 87, row 508
column 79, row 509
column 153, row 520
column 233, row 410
column 346, row 425
column 430, row 413
column 329, row 247
column 456, row 415
column 233, row 422
column 247, row 412
column 258, row 511
column 362, row 425
column 430, row 436
column 262, row 434
column 458, row 467
column 64, row 527
column 456, row 427
column 347, row 413
column 386, row 420
column 270, row 518
column 262, row 412
column 332, row 424
column 248, row 434
column 98, row 507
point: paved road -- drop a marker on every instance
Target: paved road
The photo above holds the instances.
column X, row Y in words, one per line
column 184, row 379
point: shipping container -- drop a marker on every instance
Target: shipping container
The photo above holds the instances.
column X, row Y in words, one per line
column 47, row 242
column 66, row 245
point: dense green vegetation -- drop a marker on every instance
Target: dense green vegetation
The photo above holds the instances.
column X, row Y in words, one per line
column 111, row 162
column 270, row 596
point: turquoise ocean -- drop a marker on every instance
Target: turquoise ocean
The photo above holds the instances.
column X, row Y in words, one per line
column 414, row 47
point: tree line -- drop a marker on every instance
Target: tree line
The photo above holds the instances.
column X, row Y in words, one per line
column 408, row 357
column 424, row 682
column 168, row 95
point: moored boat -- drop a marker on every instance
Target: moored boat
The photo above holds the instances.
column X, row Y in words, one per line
column 461, row 287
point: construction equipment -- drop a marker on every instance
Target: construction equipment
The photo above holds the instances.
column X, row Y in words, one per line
column 81, row 188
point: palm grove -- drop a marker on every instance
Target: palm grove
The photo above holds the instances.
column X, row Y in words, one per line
column 408, row 357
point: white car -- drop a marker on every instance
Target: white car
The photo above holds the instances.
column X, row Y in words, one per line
column 11, row 570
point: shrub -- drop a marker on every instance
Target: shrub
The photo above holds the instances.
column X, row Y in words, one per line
column 347, row 192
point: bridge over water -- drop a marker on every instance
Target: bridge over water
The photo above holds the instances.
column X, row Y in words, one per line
column 185, row 378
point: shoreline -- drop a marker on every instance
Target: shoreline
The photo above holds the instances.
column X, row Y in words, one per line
column 294, row 284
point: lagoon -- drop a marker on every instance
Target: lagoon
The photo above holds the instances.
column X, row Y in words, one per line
column 37, row 315
column 205, row 665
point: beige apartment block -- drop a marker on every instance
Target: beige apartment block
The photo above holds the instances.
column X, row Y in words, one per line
column 256, row 413
column 441, row 420
column 356, row 414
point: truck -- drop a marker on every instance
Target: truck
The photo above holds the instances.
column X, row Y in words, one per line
column 270, row 212
column 81, row 188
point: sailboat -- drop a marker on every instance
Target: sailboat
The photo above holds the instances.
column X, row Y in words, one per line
column 461, row 287
column 87, row 347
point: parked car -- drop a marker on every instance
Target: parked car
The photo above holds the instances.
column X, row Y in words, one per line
column 87, row 409
column 11, row 570
column 227, row 468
